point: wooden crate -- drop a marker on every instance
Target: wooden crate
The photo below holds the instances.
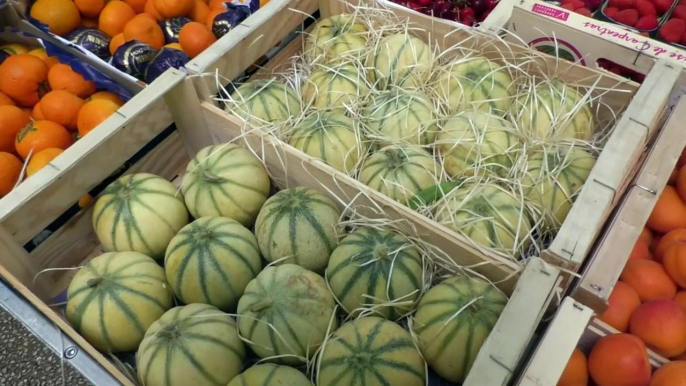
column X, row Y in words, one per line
column 200, row 124
column 614, row 247
column 614, row 168
column 573, row 326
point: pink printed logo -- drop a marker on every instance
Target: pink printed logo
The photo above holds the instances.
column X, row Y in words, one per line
column 550, row 11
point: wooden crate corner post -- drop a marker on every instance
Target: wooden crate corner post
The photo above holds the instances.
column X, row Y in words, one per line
column 505, row 346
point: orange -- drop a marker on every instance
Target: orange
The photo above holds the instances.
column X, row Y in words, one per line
column 116, row 42
column 674, row 261
column 12, row 119
column 144, row 28
column 670, row 374
column 41, row 135
column 90, row 8
column 576, row 371
column 85, row 200
column 623, row 301
column 195, row 38
column 10, row 171
column 669, row 212
column 5, row 100
column 150, row 10
column 209, row 21
column 23, row 78
column 41, row 53
column 619, row 360
column 89, row 23
column 174, row 46
column 661, row 325
column 61, row 107
column 199, row 12
column 62, row 77
column 640, row 251
column 137, row 5
column 218, row 4
column 41, row 159
column 14, row 49
column 61, row 16
column 173, row 8
column 114, row 17
column 649, row 279
column 107, row 96
column 93, row 113
column 37, row 113
column 672, row 237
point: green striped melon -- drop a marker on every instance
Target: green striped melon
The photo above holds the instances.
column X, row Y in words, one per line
column 139, row 212
column 191, row 345
column 400, row 59
column 227, row 181
column 452, row 322
column 115, row 297
column 332, row 137
column 553, row 111
column 554, row 177
column 269, row 374
column 475, row 143
column 476, row 83
column 487, row 214
column 299, row 226
column 334, row 87
column 211, row 261
column 374, row 266
column 400, row 172
column 371, row 351
column 286, row 312
column 335, row 39
column 264, row 101
column 399, row 115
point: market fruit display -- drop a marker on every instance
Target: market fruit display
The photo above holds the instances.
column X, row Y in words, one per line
column 292, row 301
column 334, row 87
column 269, row 374
column 399, row 115
column 115, row 298
column 373, row 269
column 298, row 226
column 337, row 37
column 225, row 180
column 374, row 350
column 211, row 261
column 191, row 345
column 401, row 60
column 452, row 322
column 127, row 214
column 264, row 101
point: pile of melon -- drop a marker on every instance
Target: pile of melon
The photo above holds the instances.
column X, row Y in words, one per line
column 473, row 142
column 219, row 282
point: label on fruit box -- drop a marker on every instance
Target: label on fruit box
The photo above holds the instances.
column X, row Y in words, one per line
column 550, row 12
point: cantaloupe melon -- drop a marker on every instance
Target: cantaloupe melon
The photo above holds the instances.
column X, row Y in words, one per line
column 475, row 143
column 371, row 351
column 554, row 177
column 553, row 111
column 337, row 87
column 264, row 101
column 211, row 260
column 191, row 345
column 401, row 116
column 475, row 83
column 489, row 215
column 269, row 374
column 332, row 137
column 400, row 172
column 374, row 266
column 299, row 226
column 335, row 39
column 139, row 212
column 115, row 297
column 399, row 59
column 453, row 320
column 227, row 181
column 285, row 313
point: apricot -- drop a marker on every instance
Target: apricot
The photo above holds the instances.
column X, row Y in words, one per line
column 671, row 374
column 649, row 279
column 661, row 325
column 619, row 360
column 623, row 302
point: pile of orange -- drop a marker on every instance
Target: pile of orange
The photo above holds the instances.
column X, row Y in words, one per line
column 126, row 20
column 648, row 304
column 44, row 107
